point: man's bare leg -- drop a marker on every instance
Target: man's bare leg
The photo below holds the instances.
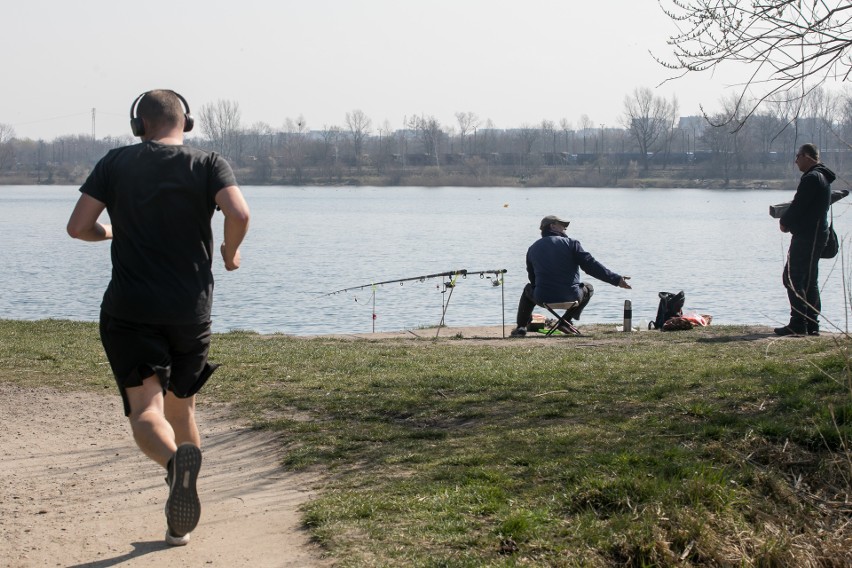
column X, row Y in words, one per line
column 152, row 432
column 155, row 436
column 180, row 413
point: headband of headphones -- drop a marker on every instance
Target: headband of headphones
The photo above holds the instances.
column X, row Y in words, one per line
column 138, row 127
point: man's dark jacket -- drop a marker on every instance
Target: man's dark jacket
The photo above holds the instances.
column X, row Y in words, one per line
column 807, row 215
column 553, row 264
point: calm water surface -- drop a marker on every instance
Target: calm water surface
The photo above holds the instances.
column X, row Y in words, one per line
column 720, row 247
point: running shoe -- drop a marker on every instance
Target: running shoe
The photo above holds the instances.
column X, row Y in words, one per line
column 183, row 508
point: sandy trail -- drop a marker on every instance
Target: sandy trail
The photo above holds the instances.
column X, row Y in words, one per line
column 76, row 491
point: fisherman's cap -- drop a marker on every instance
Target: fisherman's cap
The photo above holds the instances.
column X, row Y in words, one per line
column 549, row 220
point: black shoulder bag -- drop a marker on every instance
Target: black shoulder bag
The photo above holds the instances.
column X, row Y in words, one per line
column 832, row 245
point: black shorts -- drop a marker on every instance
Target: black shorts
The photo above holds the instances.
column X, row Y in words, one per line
column 177, row 354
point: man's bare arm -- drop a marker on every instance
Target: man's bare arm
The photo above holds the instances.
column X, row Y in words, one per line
column 83, row 223
column 232, row 203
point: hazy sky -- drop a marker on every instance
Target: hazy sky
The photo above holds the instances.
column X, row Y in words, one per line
column 515, row 63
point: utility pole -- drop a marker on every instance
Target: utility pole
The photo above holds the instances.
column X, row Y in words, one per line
column 93, row 124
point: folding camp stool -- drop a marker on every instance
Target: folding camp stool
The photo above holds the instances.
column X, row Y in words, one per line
column 561, row 321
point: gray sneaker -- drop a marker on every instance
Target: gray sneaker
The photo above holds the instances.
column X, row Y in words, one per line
column 518, row 332
column 183, row 509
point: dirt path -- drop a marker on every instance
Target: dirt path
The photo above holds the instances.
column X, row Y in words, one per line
column 75, row 491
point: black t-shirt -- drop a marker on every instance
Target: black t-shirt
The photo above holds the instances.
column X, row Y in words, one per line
column 160, row 199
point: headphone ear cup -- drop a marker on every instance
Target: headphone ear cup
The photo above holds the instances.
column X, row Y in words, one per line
column 137, row 126
column 188, row 122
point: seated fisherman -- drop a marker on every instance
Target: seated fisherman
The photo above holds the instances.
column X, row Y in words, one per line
column 553, row 265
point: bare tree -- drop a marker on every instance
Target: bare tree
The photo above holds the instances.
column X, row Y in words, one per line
column 259, row 140
column 486, row 146
column 821, row 107
column 791, row 46
column 468, row 121
column 296, row 125
column 764, row 130
column 647, row 118
column 294, row 146
column 330, row 137
column 565, row 125
column 7, row 150
column 723, row 142
column 220, row 123
column 327, row 151
column 359, row 128
column 669, row 133
column 528, row 135
column 845, row 118
column 786, row 111
column 258, row 144
column 428, row 131
column 548, row 133
column 720, row 141
column 585, row 124
column 382, row 155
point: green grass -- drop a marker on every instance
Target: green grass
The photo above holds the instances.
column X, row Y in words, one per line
column 704, row 447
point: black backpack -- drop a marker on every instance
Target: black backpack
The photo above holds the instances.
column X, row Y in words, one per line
column 671, row 305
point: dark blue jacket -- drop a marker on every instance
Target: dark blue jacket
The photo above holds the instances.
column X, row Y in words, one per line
column 553, row 264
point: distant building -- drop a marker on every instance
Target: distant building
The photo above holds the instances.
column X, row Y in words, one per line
column 695, row 124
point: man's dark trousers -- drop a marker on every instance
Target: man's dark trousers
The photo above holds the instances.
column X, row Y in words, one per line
column 800, row 277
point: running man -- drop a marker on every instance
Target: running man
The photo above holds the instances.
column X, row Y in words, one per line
column 155, row 315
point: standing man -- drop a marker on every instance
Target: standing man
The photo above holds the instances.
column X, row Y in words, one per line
column 155, row 315
column 807, row 220
column 553, row 266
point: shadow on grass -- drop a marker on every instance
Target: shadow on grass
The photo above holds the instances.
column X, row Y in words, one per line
column 736, row 338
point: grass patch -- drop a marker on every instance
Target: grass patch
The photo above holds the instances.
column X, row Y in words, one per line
column 707, row 447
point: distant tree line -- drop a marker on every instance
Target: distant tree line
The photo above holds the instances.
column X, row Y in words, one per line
column 652, row 141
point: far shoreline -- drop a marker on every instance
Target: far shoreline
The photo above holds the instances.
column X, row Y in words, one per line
column 672, row 177
column 750, row 185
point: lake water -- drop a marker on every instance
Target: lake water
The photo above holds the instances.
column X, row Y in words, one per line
column 720, row 247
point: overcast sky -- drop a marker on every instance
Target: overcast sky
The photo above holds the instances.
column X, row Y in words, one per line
column 514, row 63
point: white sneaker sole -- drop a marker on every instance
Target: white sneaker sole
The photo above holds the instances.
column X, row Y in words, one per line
column 172, row 540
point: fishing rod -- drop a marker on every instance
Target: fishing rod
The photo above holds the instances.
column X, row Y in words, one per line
column 482, row 274
column 448, row 286
column 453, row 273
